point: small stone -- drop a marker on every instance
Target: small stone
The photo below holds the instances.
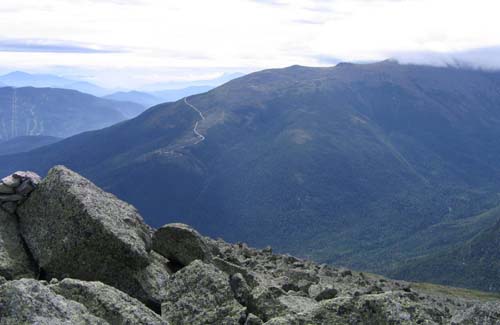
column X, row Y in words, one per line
column 327, row 293
column 346, row 273
column 314, row 290
column 374, row 289
column 11, row 181
column 319, row 292
column 253, row 320
column 4, row 189
column 298, row 304
column 240, row 288
column 267, row 250
column 304, row 285
column 25, row 188
column 290, row 287
column 231, row 268
column 264, row 302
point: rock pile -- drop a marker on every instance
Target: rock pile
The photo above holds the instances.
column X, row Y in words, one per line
column 15, row 188
column 74, row 254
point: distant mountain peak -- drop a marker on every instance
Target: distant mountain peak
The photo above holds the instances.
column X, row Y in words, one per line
column 17, row 74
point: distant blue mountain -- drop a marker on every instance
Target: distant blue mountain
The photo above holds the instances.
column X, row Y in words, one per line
column 171, row 95
column 195, row 83
column 149, row 96
column 23, row 79
column 139, row 97
column 149, row 99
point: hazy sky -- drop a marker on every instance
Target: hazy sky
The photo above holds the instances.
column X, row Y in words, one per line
column 129, row 43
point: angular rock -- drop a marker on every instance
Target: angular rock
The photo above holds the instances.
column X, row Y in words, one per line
column 4, row 189
column 28, row 301
column 385, row 308
column 11, row 181
column 265, row 303
column 297, row 304
column 15, row 262
column 152, row 281
column 74, row 229
column 27, row 175
column 253, row 320
column 26, row 187
column 107, row 302
column 200, row 294
column 16, row 187
column 486, row 314
column 240, row 288
column 181, row 244
column 320, row 292
column 231, row 268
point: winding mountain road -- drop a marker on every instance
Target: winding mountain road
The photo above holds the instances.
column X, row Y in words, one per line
column 195, row 129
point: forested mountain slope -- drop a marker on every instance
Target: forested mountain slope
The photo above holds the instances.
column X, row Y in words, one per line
column 56, row 112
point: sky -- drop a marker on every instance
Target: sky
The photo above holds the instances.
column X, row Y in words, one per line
column 133, row 43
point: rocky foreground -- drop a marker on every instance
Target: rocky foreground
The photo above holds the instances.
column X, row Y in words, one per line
column 71, row 253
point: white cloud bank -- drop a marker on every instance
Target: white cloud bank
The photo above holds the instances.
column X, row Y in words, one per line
column 158, row 40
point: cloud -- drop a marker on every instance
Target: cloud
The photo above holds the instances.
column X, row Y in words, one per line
column 49, row 46
column 325, row 59
column 271, row 2
column 308, row 21
column 483, row 58
column 119, row 2
column 135, row 41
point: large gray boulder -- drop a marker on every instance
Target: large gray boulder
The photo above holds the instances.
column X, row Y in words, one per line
column 181, row 244
column 28, row 301
column 106, row 302
column 200, row 294
column 15, row 262
column 74, row 229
